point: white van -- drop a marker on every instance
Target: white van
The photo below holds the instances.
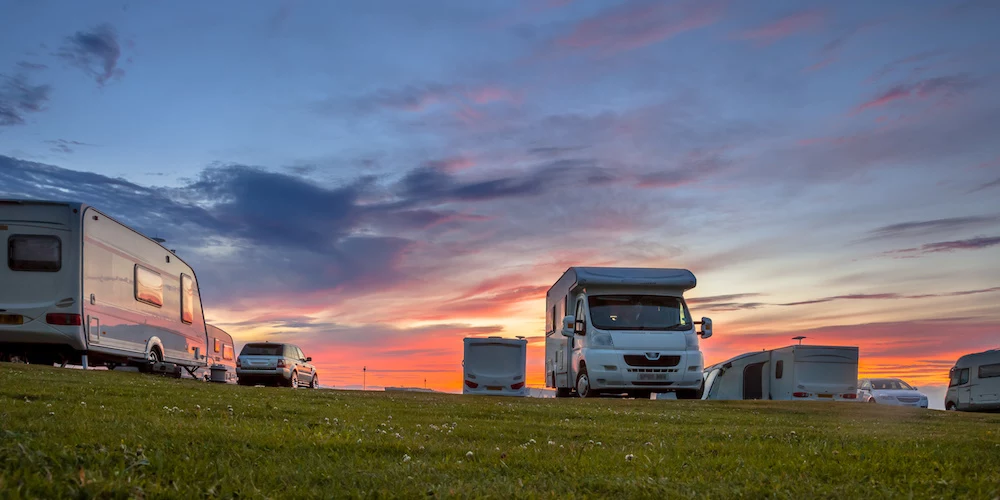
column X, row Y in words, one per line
column 975, row 383
column 495, row 365
column 616, row 330
column 798, row 372
column 79, row 287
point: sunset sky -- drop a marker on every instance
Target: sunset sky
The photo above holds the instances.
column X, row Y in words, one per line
column 377, row 180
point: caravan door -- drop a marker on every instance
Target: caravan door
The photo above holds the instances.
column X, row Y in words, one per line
column 753, row 380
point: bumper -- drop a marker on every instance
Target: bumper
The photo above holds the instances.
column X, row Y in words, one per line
column 609, row 370
column 263, row 375
column 38, row 332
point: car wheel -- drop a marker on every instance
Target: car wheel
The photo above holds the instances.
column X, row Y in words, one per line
column 314, row 383
column 583, row 384
column 872, row 400
column 293, row 382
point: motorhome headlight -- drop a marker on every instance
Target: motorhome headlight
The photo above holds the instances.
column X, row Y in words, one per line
column 691, row 341
column 601, row 340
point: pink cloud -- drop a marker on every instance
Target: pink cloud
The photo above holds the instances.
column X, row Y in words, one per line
column 632, row 26
column 488, row 94
column 944, row 86
column 784, row 27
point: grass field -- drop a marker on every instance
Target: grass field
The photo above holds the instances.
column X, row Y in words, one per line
column 68, row 433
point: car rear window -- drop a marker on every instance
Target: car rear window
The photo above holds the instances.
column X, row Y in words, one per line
column 261, row 350
column 33, row 252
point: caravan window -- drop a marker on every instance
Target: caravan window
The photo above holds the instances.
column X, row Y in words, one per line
column 187, row 300
column 227, row 351
column 148, row 286
column 779, row 369
column 989, row 371
column 218, row 344
column 33, row 252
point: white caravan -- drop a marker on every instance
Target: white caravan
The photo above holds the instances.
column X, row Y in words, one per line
column 80, row 287
column 616, row 330
column 975, row 383
column 221, row 358
column 495, row 365
column 798, row 372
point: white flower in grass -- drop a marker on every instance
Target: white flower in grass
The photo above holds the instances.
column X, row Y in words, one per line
column 649, row 443
column 468, row 455
column 406, row 458
column 52, row 413
column 629, row 457
column 551, row 442
column 83, row 403
column 531, row 441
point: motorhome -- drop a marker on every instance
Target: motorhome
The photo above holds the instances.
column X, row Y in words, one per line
column 975, row 383
column 798, row 372
column 80, row 287
column 221, row 356
column 495, row 366
column 615, row 330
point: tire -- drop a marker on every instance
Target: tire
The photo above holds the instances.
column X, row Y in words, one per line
column 950, row 406
column 154, row 356
column 872, row 400
column 293, row 382
column 563, row 392
column 314, row 383
column 583, row 389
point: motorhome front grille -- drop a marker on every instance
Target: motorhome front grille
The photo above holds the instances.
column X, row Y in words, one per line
column 908, row 399
column 652, row 370
column 639, row 360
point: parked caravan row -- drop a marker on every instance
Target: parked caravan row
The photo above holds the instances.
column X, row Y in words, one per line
column 82, row 288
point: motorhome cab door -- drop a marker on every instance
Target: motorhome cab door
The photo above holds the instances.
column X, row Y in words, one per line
column 960, row 381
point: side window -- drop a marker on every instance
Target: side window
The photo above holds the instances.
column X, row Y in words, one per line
column 866, row 385
column 218, row 344
column 289, row 351
column 779, row 369
column 954, row 377
column 148, row 286
column 964, row 377
column 989, row 371
column 30, row 252
column 555, row 320
column 187, row 301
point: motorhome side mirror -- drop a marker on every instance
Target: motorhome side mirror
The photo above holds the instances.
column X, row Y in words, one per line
column 308, row 359
column 568, row 325
column 580, row 327
column 706, row 328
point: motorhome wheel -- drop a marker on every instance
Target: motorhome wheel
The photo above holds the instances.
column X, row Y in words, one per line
column 583, row 384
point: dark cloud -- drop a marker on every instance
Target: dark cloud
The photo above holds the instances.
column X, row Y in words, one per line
column 928, row 227
column 18, row 97
column 96, row 52
column 946, row 246
column 548, row 151
column 30, row 66
column 720, row 298
column 987, row 185
column 941, row 86
column 890, row 296
column 65, row 146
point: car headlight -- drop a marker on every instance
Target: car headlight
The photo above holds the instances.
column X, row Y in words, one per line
column 601, row 340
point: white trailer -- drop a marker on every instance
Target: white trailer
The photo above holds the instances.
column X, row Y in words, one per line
column 80, row 287
column 221, row 356
column 612, row 330
column 495, row 365
column 798, row 372
column 975, row 382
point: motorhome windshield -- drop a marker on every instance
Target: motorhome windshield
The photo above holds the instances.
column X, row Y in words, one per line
column 883, row 384
column 638, row 312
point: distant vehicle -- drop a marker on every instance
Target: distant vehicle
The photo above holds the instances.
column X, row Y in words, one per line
column 975, row 383
column 612, row 330
column 79, row 287
column 798, row 372
column 275, row 363
column 890, row 391
column 221, row 356
column 495, row 366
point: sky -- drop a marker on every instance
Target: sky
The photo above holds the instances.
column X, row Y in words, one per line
column 377, row 180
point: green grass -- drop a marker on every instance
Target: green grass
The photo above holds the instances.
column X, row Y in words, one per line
column 67, row 433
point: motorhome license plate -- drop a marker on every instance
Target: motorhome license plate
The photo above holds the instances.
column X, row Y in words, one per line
column 826, row 395
column 652, row 376
column 11, row 319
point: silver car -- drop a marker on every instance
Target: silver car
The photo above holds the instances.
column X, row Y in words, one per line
column 274, row 363
column 890, row 391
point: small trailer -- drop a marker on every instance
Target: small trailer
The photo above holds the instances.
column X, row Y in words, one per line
column 221, row 356
column 974, row 383
column 78, row 287
column 495, row 366
column 798, row 372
